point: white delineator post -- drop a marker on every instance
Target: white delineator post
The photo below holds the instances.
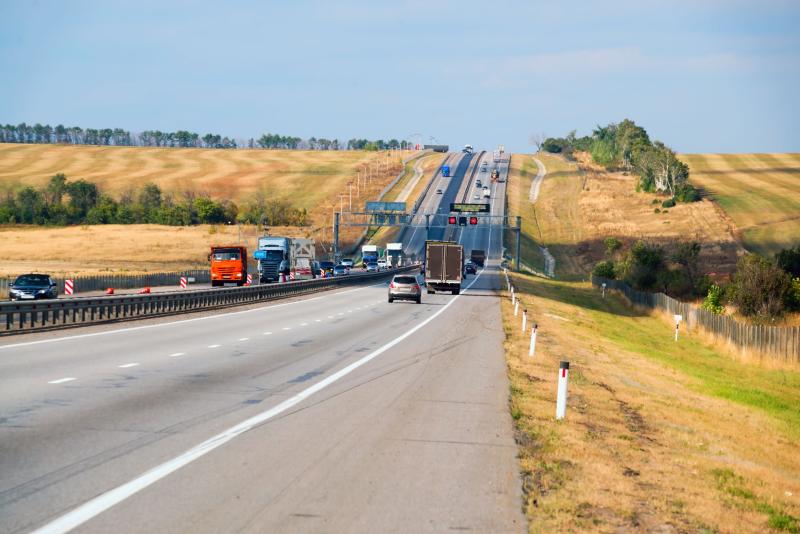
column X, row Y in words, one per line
column 678, row 319
column 516, row 307
column 561, row 400
column 524, row 320
column 604, row 290
column 532, row 348
column 69, row 287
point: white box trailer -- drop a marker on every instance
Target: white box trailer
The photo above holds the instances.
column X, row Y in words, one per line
column 394, row 253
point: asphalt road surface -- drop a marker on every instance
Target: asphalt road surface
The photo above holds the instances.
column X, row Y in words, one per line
column 331, row 413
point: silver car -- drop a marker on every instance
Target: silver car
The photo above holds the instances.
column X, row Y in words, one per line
column 405, row 287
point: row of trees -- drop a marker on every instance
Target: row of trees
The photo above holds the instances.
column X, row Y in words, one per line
column 64, row 202
column 627, row 146
column 761, row 288
column 75, row 135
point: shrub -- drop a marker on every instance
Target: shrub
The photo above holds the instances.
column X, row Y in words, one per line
column 669, row 203
column 761, row 289
column 714, row 301
column 686, row 193
column 604, row 269
column 789, row 260
column 641, row 265
column 612, row 245
column 656, row 210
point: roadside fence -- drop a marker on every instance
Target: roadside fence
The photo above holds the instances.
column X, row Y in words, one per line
column 120, row 281
column 777, row 342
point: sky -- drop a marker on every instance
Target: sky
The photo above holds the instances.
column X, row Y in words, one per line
column 699, row 75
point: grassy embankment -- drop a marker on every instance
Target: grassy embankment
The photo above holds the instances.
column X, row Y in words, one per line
column 581, row 204
column 659, row 435
column 760, row 193
column 305, row 179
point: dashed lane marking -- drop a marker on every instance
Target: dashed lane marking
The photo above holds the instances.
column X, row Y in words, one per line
column 214, row 346
column 243, row 338
column 126, row 365
column 176, row 354
column 267, row 333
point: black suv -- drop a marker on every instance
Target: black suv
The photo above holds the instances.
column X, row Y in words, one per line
column 33, row 286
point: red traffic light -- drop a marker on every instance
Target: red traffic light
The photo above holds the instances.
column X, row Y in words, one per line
column 451, row 220
column 473, row 220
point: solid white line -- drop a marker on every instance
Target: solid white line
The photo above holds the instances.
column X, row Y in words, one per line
column 103, row 502
column 267, row 333
column 243, row 338
column 213, row 346
column 62, row 380
column 176, row 354
column 287, row 328
column 303, row 324
column 126, row 365
column 159, row 325
column 318, row 320
column 330, row 317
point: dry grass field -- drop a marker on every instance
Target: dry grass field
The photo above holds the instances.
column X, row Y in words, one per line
column 314, row 180
column 581, row 204
column 760, row 193
column 659, row 436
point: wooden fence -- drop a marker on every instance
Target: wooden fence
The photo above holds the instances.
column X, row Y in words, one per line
column 780, row 343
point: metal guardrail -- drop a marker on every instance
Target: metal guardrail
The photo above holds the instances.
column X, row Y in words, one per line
column 19, row 317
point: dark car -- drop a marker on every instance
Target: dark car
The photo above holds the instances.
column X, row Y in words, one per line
column 327, row 267
column 33, row 286
column 405, row 287
column 341, row 270
column 469, row 268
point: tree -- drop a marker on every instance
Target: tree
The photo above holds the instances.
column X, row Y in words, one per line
column 209, row 211
column 56, row 188
column 761, row 289
column 789, row 260
column 82, row 197
column 641, row 265
column 537, row 140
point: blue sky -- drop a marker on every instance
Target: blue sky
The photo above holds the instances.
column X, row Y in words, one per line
column 700, row 75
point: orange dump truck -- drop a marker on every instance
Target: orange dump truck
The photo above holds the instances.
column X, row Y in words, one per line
column 228, row 264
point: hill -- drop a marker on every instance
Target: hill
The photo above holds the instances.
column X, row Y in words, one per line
column 759, row 192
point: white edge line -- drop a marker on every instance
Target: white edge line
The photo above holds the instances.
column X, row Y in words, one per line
column 215, row 316
column 62, row 380
column 103, row 502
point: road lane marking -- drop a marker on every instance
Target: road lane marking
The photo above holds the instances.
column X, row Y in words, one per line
column 62, row 380
column 287, row 328
column 317, row 320
column 330, row 317
column 340, row 313
column 159, row 325
column 176, row 354
column 214, row 346
column 126, row 365
column 103, row 502
column 303, row 324
column 267, row 333
column 243, row 338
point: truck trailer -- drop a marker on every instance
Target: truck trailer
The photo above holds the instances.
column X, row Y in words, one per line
column 478, row 256
column 292, row 257
column 444, row 266
column 394, row 254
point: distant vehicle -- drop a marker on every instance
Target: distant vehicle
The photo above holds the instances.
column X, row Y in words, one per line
column 228, row 265
column 444, row 266
column 372, row 267
column 437, row 148
column 383, row 264
column 477, row 196
column 32, row 287
column 347, row 262
column 326, row 267
column 477, row 256
column 484, row 168
column 477, row 183
column 496, row 156
column 469, row 268
column 370, row 254
column 405, row 287
column 300, row 263
column 495, row 175
column 486, row 193
column 285, row 256
column 438, row 191
column 467, row 149
column 340, row 270
column 394, row 253
column 446, row 171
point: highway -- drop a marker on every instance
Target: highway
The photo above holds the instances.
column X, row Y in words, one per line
column 337, row 412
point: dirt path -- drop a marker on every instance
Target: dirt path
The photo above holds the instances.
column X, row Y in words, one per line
column 404, row 194
column 533, row 196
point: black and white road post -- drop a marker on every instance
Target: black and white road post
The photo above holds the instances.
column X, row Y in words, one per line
column 678, row 319
column 524, row 320
column 532, row 347
column 604, row 290
column 561, row 400
column 516, row 307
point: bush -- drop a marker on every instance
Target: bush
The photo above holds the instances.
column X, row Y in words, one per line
column 612, row 245
column 761, row 289
column 686, row 193
column 641, row 265
column 789, row 260
column 714, row 301
column 669, row 203
column 657, row 210
column 604, row 269
column 793, row 302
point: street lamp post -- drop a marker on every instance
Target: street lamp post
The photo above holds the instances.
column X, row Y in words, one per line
column 350, row 187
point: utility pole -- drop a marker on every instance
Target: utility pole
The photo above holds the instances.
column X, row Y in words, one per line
column 427, row 226
column 350, row 187
column 335, row 237
column 519, row 227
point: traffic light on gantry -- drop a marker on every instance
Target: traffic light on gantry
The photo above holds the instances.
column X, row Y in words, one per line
column 462, row 221
column 473, row 220
column 451, row 220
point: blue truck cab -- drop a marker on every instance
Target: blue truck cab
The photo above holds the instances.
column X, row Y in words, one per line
column 446, row 171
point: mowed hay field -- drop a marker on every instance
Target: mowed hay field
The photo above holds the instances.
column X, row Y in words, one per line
column 581, row 204
column 760, row 193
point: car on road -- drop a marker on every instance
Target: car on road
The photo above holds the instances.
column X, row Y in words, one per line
column 341, row 270
column 405, row 287
column 477, row 196
column 383, row 264
column 438, row 191
column 33, row 286
column 470, row 268
column 347, row 262
column 477, row 183
column 372, row 267
column 326, row 267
